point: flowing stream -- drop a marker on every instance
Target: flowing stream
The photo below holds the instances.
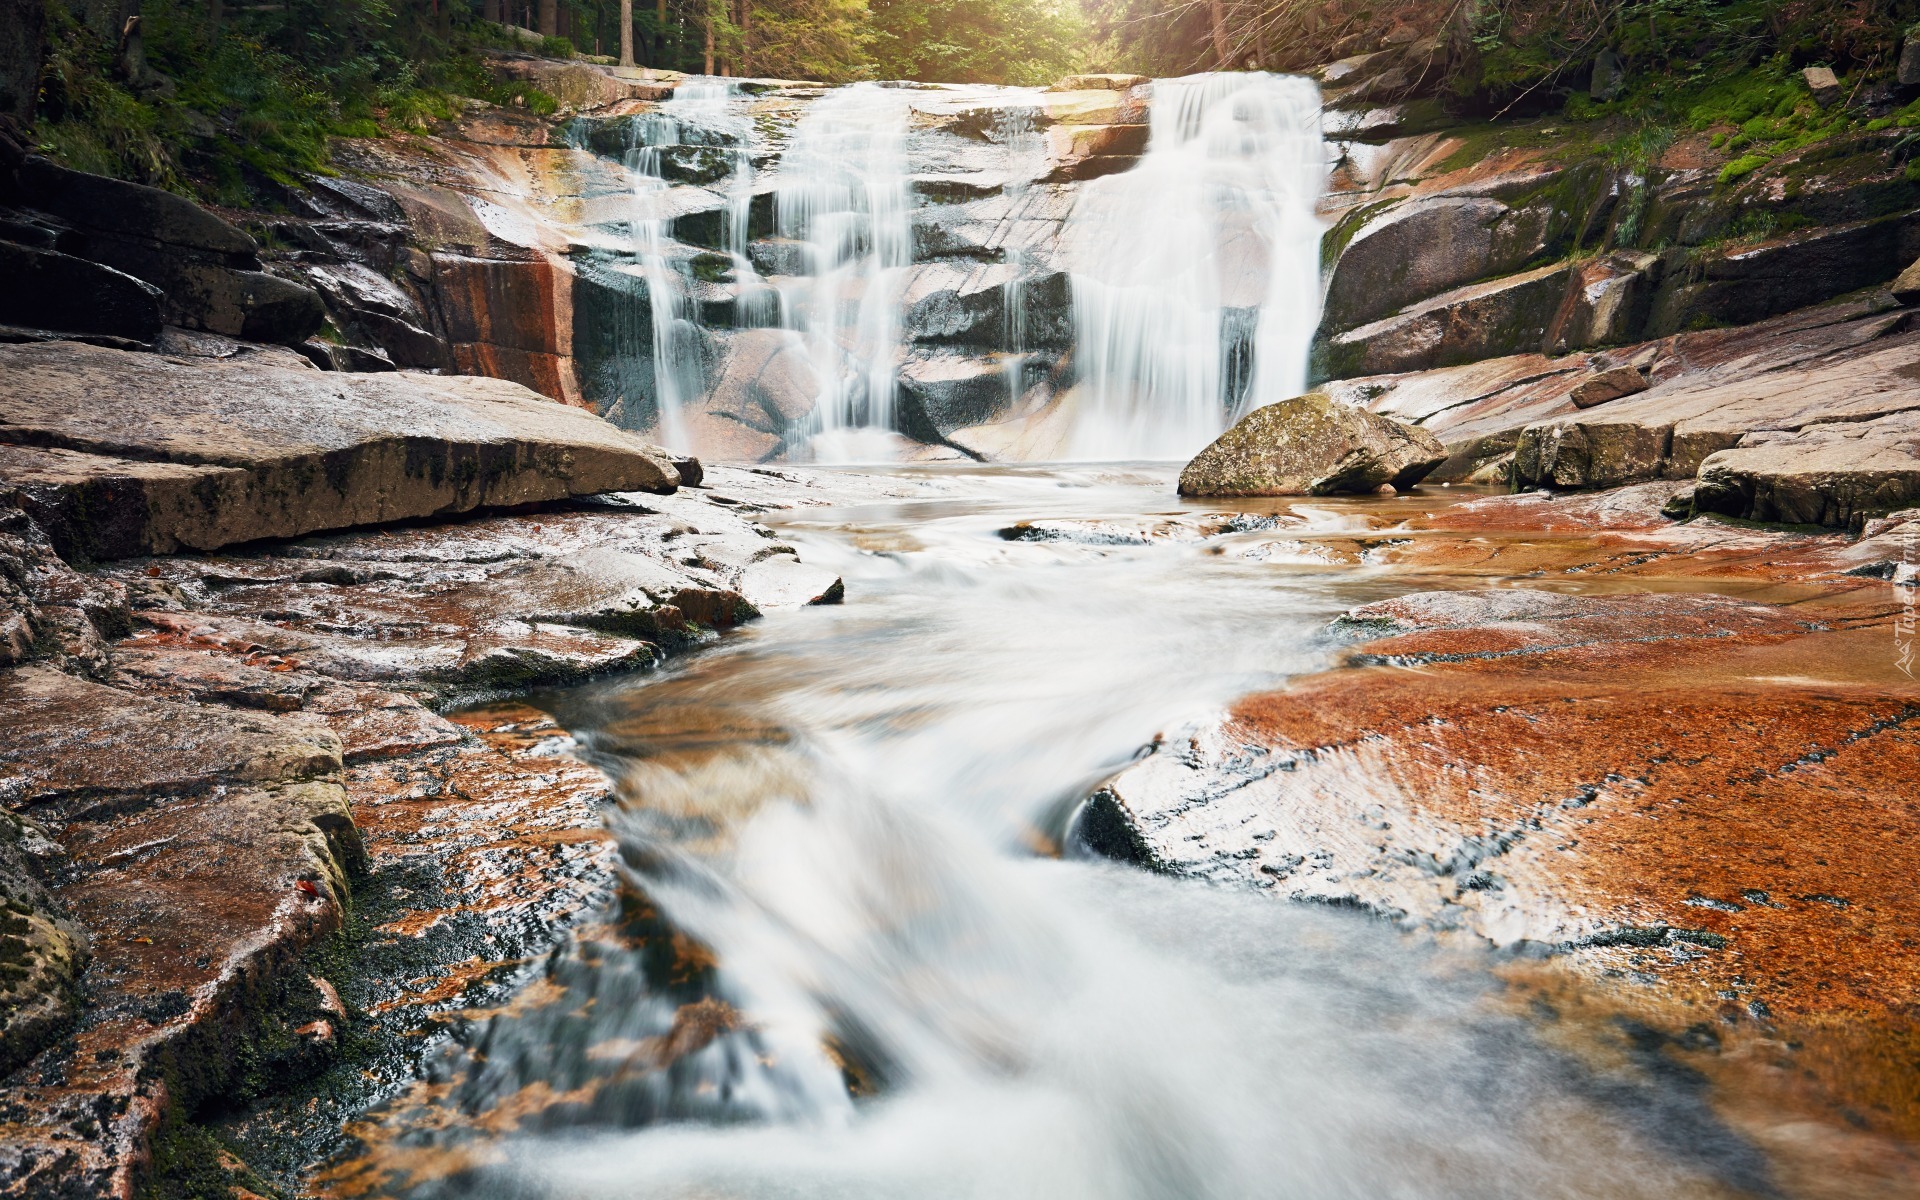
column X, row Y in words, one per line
column 866, row 959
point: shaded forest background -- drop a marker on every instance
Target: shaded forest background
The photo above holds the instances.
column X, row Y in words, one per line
column 227, row 99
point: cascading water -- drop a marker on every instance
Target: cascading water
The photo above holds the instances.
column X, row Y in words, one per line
column 1196, row 280
column 1026, row 159
column 698, row 119
column 843, row 193
column 852, row 977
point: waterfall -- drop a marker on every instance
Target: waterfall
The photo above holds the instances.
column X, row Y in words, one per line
column 842, row 191
column 697, row 120
column 1196, row 281
column 1026, row 157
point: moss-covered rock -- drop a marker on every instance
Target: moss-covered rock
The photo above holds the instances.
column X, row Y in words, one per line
column 1311, row 445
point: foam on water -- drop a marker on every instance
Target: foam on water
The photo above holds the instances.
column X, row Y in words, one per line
column 841, row 805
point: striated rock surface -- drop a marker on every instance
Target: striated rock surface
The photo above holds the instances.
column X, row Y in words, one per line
column 120, row 454
column 1311, row 445
column 263, row 754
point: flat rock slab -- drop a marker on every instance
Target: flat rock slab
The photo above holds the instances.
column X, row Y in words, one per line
column 260, row 450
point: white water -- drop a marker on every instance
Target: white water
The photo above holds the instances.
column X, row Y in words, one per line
column 842, row 804
column 697, row 114
column 1212, row 237
column 843, row 192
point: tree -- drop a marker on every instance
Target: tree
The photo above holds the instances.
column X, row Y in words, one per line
column 626, row 33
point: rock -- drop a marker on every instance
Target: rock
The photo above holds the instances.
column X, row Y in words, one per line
column 1609, row 75
column 47, row 609
column 1545, row 778
column 230, row 451
column 208, row 269
column 942, row 391
column 47, row 290
column 1907, row 74
column 1824, row 85
column 1088, row 83
column 1081, row 152
column 237, row 777
column 1747, row 283
column 954, row 302
column 1607, row 385
column 1589, row 453
column 1421, row 248
column 1822, row 393
column 766, row 381
column 1484, row 320
column 77, row 743
column 1311, row 445
column 1906, row 285
column 1836, row 474
column 116, row 208
column 1606, row 302
column 42, row 950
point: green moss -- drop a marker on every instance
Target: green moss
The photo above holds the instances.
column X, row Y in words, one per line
column 1743, row 166
column 191, row 1163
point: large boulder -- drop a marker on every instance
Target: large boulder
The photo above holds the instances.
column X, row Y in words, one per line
column 209, row 269
column 1741, row 284
column 1504, row 316
column 1425, row 247
column 48, row 290
column 1312, row 445
column 120, row 453
column 1836, row 474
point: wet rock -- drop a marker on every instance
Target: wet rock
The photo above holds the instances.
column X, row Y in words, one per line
column 1549, row 774
column 42, row 950
column 766, row 381
column 1311, row 445
column 231, row 451
column 76, row 743
column 1485, row 320
column 208, row 269
column 50, row 611
column 956, row 302
column 1606, row 302
column 1742, row 284
column 1598, row 388
column 942, row 392
column 1422, row 248
column 1836, row 474
column 59, row 292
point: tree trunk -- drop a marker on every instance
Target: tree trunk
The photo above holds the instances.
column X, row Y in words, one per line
column 550, row 18
column 215, row 11
column 746, row 37
column 490, row 10
column 708, row 22
column 1217, row 12
column 626, row 33
column 660, row 36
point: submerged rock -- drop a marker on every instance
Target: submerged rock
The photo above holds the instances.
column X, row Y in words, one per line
column 1312, row 445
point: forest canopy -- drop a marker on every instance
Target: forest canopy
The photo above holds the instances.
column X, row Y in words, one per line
column 229, row 99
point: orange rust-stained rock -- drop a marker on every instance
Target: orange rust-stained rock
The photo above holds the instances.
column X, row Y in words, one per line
column 1677, row 760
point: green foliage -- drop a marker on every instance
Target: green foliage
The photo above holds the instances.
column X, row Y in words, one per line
column 557, row 47
column 985, row 41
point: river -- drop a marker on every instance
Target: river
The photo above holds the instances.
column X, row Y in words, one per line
column 858, row 961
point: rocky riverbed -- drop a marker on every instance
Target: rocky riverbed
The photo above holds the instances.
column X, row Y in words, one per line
column 315, row 523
